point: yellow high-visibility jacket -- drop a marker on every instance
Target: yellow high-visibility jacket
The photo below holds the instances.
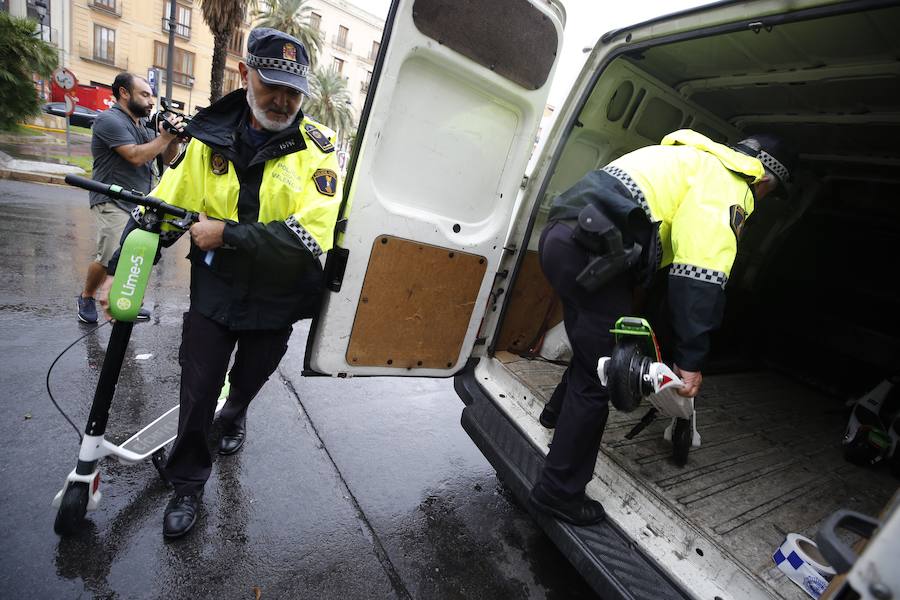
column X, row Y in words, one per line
column 696, row 193
column 280, row 201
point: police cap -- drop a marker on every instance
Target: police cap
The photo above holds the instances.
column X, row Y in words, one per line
column 279, row 59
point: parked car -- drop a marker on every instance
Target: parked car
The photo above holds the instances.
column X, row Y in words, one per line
column 82, row 117
column 434, row 272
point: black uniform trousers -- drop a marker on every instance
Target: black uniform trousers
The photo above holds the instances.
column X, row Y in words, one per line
column 579, row 399
column 206, row 348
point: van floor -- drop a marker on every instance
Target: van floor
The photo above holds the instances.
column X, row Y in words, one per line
column 770, row 461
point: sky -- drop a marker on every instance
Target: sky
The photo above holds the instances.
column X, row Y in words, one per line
column 586, row 21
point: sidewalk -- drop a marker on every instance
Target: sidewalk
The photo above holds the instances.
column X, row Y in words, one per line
column 39, row 157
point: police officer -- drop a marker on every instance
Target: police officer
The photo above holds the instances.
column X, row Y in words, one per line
column 264, row 178
column 680, row 206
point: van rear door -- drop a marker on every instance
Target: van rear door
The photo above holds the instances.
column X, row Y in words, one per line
column 456, row 98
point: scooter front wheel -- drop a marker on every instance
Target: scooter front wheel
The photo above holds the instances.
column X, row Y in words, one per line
column 72, row 509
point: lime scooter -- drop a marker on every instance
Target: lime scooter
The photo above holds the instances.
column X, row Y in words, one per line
column 636, row 371
column 81, row 491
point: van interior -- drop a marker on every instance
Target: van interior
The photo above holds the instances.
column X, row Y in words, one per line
column 812, row 316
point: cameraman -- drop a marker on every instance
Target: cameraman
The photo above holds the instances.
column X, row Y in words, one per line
column 123, row 148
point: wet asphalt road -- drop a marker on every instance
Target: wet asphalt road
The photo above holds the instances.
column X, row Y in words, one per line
column 346, row 488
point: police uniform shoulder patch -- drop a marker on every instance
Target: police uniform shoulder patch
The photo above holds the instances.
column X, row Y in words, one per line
column 218, row 163
column 318, row 138
column 738, row 216
column 326, row 181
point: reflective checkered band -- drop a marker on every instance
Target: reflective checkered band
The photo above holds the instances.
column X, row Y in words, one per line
column 699, row 273
column 631, row 186
column 659, row 251
column 279, row 64
column 305, row 237
column 136, row 213
column 772, row 164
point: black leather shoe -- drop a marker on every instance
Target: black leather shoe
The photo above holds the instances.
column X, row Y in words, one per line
column 548, row 417
column 578, row 511
column 180, row 516
column 233, row 438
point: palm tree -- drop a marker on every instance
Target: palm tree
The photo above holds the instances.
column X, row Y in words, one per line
column 291, row 17
column 22, row 54
column 329, row 101
column 223, row 17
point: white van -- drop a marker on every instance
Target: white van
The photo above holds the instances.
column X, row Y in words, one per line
column 436, row 273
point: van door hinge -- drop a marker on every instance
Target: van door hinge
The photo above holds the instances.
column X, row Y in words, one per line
column 524, row 183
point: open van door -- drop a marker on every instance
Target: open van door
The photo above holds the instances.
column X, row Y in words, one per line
column 457, row 95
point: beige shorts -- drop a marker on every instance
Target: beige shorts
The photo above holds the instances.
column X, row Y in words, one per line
column 111, row 221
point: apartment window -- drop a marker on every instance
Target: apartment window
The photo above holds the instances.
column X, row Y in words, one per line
column 343, row 32
column 364, row 88
column 182, row 65
column 373, row 54
column 338, row 65
column 182, row 19
column 236, row 45
column 232, row 80
column 104, row 44
column 315, row 21
column 109, row 5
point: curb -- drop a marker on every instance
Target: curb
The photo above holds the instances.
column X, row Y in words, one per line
column 32, row 177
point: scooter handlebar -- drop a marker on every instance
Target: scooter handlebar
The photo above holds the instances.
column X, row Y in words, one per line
column 120, row 193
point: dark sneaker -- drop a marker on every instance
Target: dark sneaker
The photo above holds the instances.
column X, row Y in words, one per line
column 87, row 309
column 580, row 511
column 143, row 314
column 548, row 417
column 181, row 514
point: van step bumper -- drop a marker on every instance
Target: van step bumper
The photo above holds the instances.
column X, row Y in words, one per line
column 604, row 556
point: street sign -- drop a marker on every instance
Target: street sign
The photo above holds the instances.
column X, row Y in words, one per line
column 70, row 105
column 152, row 79
column 64, row 78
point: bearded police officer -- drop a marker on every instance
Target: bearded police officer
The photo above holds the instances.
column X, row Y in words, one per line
column 678, row 206
column 264, row 178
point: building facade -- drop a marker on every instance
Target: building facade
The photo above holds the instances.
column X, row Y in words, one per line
column 99, row 38
column 351, row 38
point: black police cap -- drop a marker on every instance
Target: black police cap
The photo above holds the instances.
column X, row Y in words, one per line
column 279, row 59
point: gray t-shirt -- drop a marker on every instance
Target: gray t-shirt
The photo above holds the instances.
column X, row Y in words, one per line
column 114, row 128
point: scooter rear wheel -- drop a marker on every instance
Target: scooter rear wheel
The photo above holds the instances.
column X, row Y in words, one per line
column 682, row 437
column 159, row 459
column 72, row 509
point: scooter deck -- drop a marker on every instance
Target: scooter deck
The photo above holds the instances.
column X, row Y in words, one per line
column 158, row 433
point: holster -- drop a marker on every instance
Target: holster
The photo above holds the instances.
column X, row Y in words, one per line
column 609, row 257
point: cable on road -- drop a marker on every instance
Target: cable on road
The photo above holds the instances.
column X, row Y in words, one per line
column 50, row 370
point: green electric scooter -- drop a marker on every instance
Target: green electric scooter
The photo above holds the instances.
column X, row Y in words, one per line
column 81, row 491
column 635, row 371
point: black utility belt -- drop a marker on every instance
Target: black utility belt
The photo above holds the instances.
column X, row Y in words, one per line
column 608, row 255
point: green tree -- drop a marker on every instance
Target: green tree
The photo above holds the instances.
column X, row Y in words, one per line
column 21, row 55
column 329, row 101
column 223, row 17
column 291, row 17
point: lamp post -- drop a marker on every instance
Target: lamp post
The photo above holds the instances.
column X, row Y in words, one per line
column 187, row 110
column 41, row 7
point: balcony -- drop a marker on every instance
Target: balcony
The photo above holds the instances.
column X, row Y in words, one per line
column 181, row 30
column 109, row 7
column 341, row 43
column 86, row 52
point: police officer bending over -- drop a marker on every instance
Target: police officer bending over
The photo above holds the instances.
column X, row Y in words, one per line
column 266, row 177
column 678, row 206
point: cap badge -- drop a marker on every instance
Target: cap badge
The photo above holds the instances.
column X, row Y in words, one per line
column 289, row 52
